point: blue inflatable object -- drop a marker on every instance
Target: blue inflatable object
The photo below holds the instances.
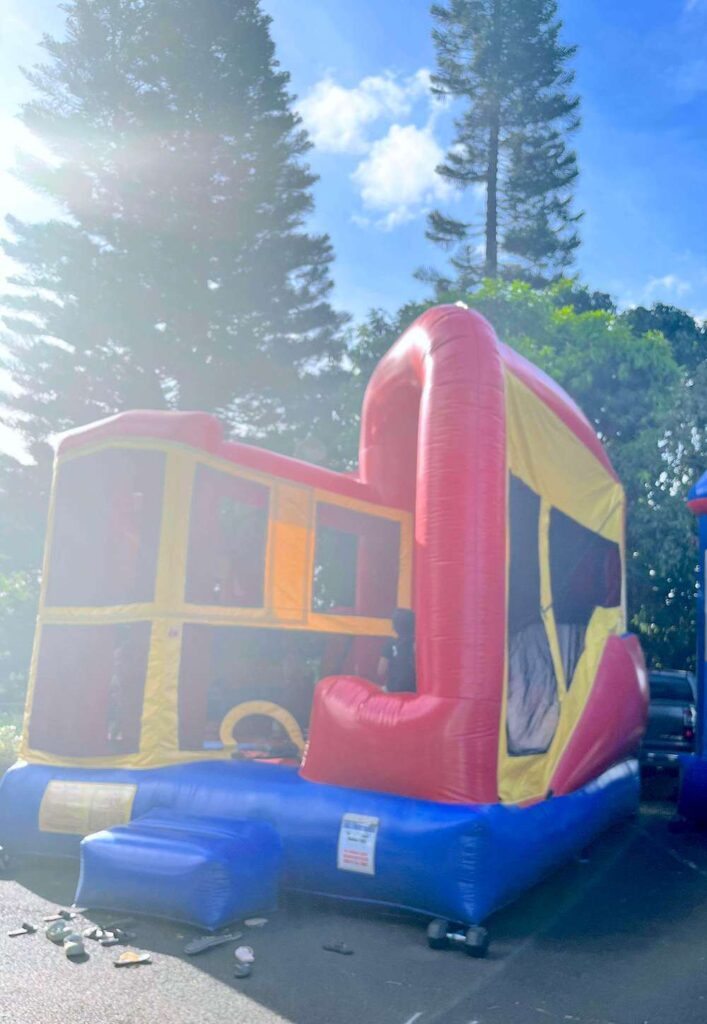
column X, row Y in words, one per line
column 200, row 871
column 692, row 803
column 443, row 860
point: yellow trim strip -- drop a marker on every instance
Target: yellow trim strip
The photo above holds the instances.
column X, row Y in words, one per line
column 356, row 505
column 136, row 761
column 217, row 615
column 288, row 588
column 174, row 530
column 546, row 606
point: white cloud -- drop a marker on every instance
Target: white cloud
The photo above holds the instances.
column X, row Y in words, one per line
column 338, row 118
column 388, row 122
column 670, row 284
column 398, row 178
column 670, row 289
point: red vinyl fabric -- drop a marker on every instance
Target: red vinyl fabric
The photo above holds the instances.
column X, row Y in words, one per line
column 613, row 720
column 433, row 439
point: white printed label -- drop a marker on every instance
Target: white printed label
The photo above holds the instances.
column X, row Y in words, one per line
column 357, row 844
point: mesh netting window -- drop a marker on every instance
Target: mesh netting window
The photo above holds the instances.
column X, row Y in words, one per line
column 586, row 574
column 356, row 563
column 228, row 530
column 223, row 666
column 105, row 544
column 532, row 707
column 89, row 689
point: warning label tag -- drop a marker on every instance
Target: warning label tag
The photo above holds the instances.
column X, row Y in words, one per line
column 357, row 844
column 79, row 808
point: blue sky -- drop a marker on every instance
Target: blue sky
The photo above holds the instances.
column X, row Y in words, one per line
column 642, row 74
column 359, row 70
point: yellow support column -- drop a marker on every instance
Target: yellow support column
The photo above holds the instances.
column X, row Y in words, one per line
column 546, row 606
column 290, row 543
column 159, row 736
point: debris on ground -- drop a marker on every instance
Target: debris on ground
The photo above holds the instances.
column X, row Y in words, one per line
column 132, row 958
column 338, row 947
column 255, row 922
column 73, row 946
column 245, row 958
column 24, row 929
column 205, row 942
column 57, row 931
column 59, row 915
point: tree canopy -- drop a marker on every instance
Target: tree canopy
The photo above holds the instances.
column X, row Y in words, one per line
column 505, row 64
column 182, row 274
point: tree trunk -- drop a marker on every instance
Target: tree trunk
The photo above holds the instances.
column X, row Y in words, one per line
column 491, row 264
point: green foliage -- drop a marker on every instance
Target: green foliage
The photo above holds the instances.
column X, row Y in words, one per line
column 647, row 409
column 19, row 593
column 504, row 62
column 24, row 492
column 24, row 496
column 184, row 276
column 10, row 735
column 686, row 337
column 623, row 387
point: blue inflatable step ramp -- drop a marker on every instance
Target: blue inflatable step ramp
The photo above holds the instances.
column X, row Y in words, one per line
column 200, row 871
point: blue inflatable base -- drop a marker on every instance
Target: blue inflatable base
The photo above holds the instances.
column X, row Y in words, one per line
column 692, row 802
column 442, row 860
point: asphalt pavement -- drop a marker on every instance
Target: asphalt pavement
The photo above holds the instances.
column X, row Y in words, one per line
column 617, row 938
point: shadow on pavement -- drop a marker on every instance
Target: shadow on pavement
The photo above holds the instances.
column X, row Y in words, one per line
column 615, row 914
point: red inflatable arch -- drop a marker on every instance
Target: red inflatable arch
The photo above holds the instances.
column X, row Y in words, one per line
column 434, row 438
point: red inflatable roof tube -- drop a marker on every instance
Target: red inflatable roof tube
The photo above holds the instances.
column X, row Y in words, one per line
column 433, row 439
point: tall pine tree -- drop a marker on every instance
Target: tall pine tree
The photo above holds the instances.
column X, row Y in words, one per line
column 503, row 60
column 182, row 274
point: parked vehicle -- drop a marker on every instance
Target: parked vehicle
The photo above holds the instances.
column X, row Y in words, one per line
column 672, row 717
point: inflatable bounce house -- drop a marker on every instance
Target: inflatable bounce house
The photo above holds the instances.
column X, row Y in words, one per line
column 692, row 804
column 212, row 622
